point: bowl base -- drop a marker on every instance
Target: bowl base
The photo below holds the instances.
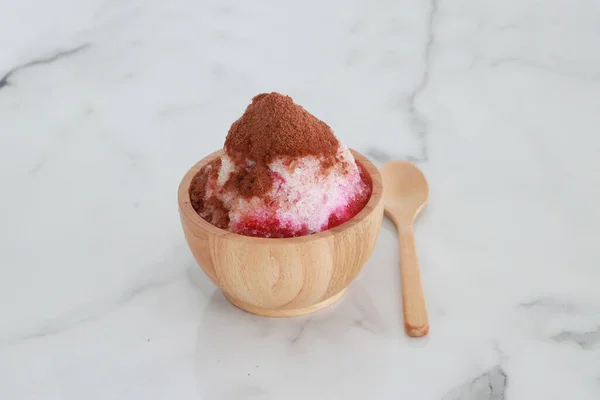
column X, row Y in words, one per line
column 265, row 312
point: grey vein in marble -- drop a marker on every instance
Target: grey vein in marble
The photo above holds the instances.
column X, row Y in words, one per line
column 417, row 119
column 490, row 385
column 552, row 304
column 378, row 155
column 585, row 340
column 5, row 80
column 98, row 308
column 369, row 318
column 301, row 329
column 86, row 313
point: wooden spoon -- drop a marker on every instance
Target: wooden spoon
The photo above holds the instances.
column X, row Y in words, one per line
column 405, row 192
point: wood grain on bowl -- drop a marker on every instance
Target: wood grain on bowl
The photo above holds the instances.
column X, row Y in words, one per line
column 283, row 277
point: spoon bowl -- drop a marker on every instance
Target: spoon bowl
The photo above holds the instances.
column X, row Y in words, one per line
column 405, row 193
column 406, row 190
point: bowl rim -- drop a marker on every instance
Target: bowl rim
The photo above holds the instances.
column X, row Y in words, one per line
column 185, row 205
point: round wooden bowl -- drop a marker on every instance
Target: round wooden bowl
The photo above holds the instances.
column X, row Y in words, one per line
column 283, row 277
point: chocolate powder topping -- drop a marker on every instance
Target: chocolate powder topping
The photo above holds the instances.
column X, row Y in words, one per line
column 212, row 209
column 272, row 126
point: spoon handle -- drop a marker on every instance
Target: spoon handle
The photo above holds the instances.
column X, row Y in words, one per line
column 416, row 321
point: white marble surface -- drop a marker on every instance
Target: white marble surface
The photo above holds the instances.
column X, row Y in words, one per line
column 105, row 104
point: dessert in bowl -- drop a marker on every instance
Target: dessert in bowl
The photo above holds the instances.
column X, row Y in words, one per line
column 284, row 217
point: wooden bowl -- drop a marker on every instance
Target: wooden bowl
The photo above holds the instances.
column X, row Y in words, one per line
column 283, row 277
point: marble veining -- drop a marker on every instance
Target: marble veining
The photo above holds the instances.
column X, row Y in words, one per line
column 418, row 121
column 104, row 105
column 489, row 385
column 152, row 278
column 4, row 81
column 586, row 340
